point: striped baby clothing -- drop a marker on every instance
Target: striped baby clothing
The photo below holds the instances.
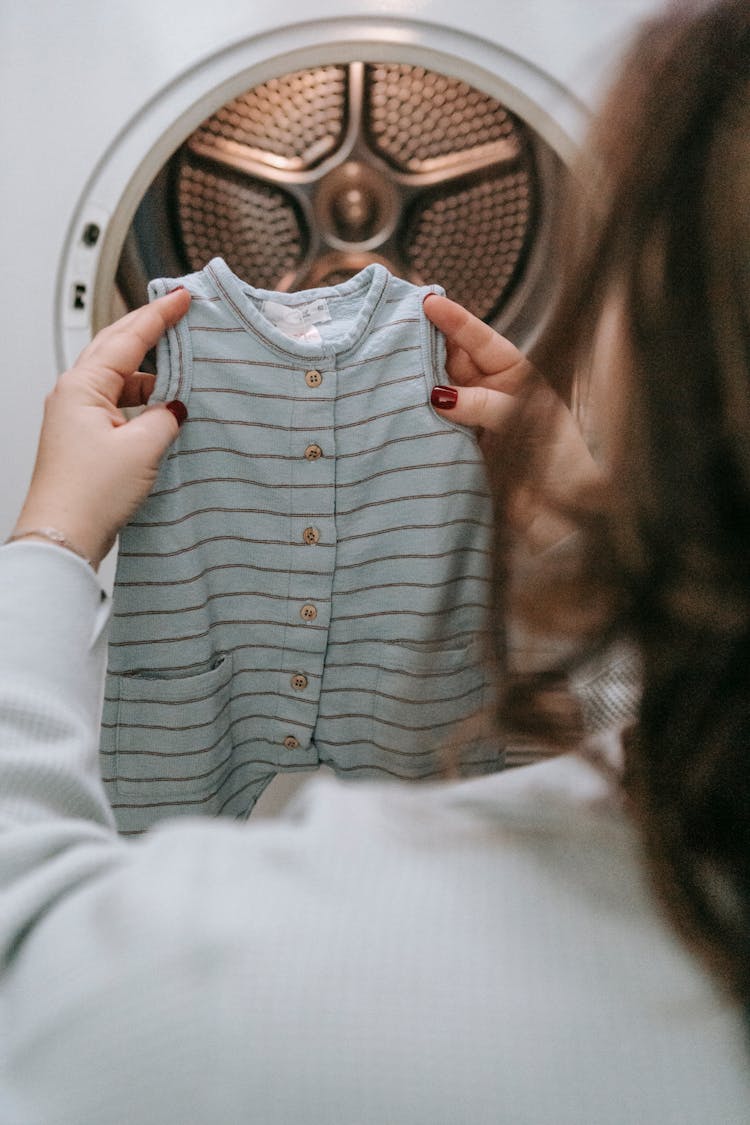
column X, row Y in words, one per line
column 309, row 579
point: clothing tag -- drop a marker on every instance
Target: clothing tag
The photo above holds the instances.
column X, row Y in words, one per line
column 310, row 335
column 287, row 317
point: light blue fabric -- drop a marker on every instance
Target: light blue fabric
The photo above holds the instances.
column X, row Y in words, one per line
column 239, row 649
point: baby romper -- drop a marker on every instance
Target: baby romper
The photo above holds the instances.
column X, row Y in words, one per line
column 309, row 579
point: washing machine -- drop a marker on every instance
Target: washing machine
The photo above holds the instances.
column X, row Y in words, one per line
column 297, row 141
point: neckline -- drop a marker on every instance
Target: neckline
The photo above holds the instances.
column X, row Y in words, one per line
column 372, row 281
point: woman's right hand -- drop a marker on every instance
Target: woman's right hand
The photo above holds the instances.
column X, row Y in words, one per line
column 489, row 371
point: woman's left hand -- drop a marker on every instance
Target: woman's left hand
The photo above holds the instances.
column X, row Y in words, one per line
column 489, row 371
column 94, row 467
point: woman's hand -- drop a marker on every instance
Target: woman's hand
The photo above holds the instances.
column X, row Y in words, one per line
column 490, row 371
column 94, row 467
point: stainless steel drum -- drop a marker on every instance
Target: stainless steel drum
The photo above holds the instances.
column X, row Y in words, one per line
column 306, row 178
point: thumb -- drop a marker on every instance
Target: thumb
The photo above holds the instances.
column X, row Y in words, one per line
column 473, row 406
column 154, row 429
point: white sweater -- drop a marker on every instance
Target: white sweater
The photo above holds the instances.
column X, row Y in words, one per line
column 481, row 952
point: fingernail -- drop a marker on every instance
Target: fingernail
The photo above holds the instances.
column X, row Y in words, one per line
column 178, row 409
column 444, row 397
column 176, row 289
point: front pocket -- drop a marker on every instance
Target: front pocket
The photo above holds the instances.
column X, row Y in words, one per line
column 424, row 701
column 173, row 736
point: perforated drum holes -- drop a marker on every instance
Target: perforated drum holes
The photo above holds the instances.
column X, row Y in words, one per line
column 305, row 179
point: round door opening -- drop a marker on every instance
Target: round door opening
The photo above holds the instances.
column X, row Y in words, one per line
column 304, row 179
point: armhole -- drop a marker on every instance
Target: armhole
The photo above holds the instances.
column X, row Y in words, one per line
column 174, row 356
column 434, row 352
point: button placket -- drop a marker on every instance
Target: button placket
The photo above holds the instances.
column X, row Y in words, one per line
column 309, row 591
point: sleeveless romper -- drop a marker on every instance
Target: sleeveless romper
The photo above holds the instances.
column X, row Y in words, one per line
column 309, row 579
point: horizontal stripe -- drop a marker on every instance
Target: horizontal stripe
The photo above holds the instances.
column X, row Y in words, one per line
column 346, row 716
column 191, row 801
column 414, row 585
column 265, row 425
column 193, row 753
column 150, row 673
column 423, row 467
column 275, row 514
column 273, row 395
column 147, row 582
column 318, row 696
column 404, row 671
column 394, row 324
column 307, row 514
column 171, row 726
column 176, row 778
column 304, row 398
column 258, row 425
column 296, row 456
column 152, row 612
column 248, row 362
column 222, row 539
column 445, row 770
column 410, row 701
column 374, row 561
column 151, row 679
column 466, row 521
column 212, row 327
column 374, row 358
column 236, row 452
column 296, row 723
column 238, row 480
column 369, row 614
column 307, row 625
column 350, row 744
column 210, row 598
column 272, row 692
column 409, row 642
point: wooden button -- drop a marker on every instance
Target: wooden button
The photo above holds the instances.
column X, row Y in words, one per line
column 291, row 743
column 313, row 378
column 310, row 535
column 299, row 682
column 308, row 612
column 313, row 452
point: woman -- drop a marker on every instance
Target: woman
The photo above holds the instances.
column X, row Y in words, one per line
column 483, row 951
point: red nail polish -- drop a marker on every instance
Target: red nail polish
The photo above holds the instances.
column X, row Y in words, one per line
column 176, row 289
column 178, row 409
column 444, row 397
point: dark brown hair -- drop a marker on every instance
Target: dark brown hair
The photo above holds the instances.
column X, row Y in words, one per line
column 664, row 241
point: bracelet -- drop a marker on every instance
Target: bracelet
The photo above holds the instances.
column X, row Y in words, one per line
column 54, row 536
